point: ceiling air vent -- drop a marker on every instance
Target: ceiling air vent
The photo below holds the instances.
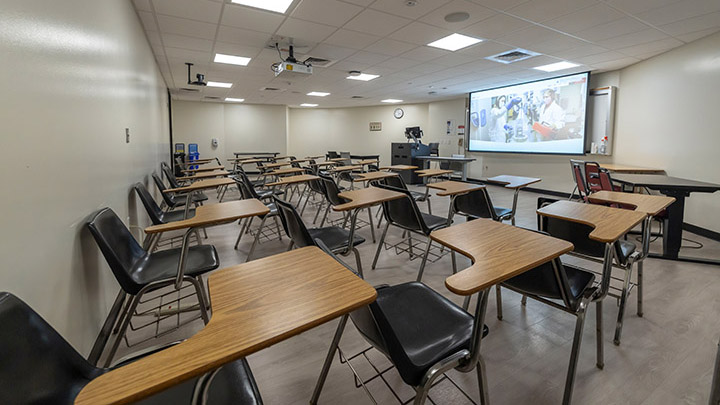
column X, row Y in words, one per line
column 515, row 55
column 272, row 89
column 212, row 98
column 185, row 89
column 357, row 97
column 319, row 62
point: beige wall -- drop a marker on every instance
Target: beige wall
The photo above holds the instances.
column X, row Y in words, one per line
column 75, row 75
column 238, row 127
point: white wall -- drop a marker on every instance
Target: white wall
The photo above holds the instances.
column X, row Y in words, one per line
column 76, row 74
column 315, row 131
column 238, row 127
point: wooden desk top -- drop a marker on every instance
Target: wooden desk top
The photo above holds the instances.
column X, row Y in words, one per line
column 610, row 223
column 250, row 161
column 205, row 175
column 315, row 157
column 201, row 185
column 337, row 169
column 618, row 168
column 366, row 162
column 282, row 172
column 200, row 162
column 340, row 159
column 204, row 169
column 649, row 204
column 293, row 180
column 366, row 197
column 215, row 214
column 276, row 165
column 498, row 252
column 328, row 163
column 451, row 187
column 669, row 183
column 513, row 181
column 374, row 176
column 399, row 167
column 301, row 160
column 432, row 172
column 254, row 305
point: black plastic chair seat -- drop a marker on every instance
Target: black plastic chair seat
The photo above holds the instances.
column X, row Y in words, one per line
column 335, row 237
column 172, row 216
column 420, row 327
column 418, row 196
column 624, row 249
column 179, row 200
column 268, row 193
column 541, row 281
column 433, row 222
column 163, row 264
column 502, row 212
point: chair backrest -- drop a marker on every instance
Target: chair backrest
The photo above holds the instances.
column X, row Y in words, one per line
column 245, row 194
column 345, row 155
column 331, row 190
column 169, row 200
column 373, row 168
column 293, row 224
column 577, row 167
column 434, row 148
column 332, row 154
column 592, row 178
column 38, row 366
column 315, row 185
column 403, row 212
column 153, row 210
column 576, row 233
column 605, row 179
column 117, row 245
column 170, row 176
column 395, row 181
column 249, row 188
column 475, row 204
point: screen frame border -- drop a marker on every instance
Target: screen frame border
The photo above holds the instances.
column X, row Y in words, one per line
column 585, row 137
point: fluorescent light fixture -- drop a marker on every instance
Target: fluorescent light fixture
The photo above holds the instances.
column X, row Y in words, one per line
column 391, row 100
column 234, row 100
column 556, row 66
column 308, row 105
column 231, row 59
column 278, row 6
column 454, row 42
column 219, row 84
column 363, row 76
column 318, row 94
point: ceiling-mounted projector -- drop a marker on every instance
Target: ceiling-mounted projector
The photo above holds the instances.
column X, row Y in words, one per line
column 290, row 66
column 200, row 77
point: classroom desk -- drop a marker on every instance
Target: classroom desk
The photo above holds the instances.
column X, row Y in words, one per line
column 204, row 169
column 321, row 164
column 199, row 161
column 516, row 183
column 453, row 189
column 339, row 169
column 363, row 198
column 199, row 185
column 370, row 176
column 679, row 189
column 282, row 172
column 301, row 160
column 427, row 174
column 205, row 175
column 462, row 160
column 340, row 159
column 254, row 306
column 610, row 223
column 618, row 168
column 399, row 168
column 290, row 180
column 254, row 154
column 276, row 165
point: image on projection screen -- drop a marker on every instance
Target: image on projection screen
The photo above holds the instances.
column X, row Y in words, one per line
column 546, row 116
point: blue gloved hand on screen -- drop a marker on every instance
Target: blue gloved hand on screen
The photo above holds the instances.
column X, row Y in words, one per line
column 513, row 102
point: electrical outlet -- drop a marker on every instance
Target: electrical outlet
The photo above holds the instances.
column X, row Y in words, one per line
column 127, row 135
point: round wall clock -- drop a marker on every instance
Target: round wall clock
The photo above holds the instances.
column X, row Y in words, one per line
column 398, row 113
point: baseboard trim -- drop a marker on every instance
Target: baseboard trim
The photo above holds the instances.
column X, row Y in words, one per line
column 697, row 230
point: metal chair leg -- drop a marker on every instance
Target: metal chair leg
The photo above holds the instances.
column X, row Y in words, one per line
column 640, row 288
column 523, row 300
column 325, row 216
column 320, row 207
column 244, row 223
column 574, row 354
column 498, row 298
column 277, row 227
column 454, row 264
column 380, row 244
column 358, row 262
column 123, row 328
column 372, row 227
column 328, row 360
column 481, row 371
column 600, row 361
column 623, row 301
column 424, row 259
column 257, row 237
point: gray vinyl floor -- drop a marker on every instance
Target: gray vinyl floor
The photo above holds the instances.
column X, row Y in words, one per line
column 666, row 357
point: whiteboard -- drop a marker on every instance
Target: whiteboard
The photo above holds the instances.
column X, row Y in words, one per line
column 601, row 117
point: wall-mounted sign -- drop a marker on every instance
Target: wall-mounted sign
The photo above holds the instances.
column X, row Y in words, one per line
column 376, row 126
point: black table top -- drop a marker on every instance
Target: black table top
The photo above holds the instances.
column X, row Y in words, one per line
column 663, row 182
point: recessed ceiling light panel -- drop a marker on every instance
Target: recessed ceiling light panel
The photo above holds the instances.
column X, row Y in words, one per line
column 278, row 6
column 554, row 67
column 454, row 42
column 308, row 105
column 219, row 84
column 391, row 100
column 234, row 100
column 231, row 59
column 363, row 76
column 318, row 94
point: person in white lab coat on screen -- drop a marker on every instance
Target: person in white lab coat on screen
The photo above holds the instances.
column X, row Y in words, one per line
column 552, row 116
column 498, row 118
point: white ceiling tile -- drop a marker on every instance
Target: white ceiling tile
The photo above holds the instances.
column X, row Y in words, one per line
column 370, row 58
column 456, row 59
column 242, row 37
column 346, row 65
column 305, row 30
column 660, row 46
column 187, row 55
column 484, row 49
column 424, row 53
column 579, row 52
column 699, row 23
column 251, row 19
column 600, row 57
column 236, row 49
column 544, row 10
column 635, row 38
column 153, row 38
column 199, row 10
column 390, row 47
column 351, row 39
column 638, row 6
column 181, row 41
column 329, row 12
column 331, row 52
column 558, row 43
column 401, row 9
column 585, row 18
column 426, row 68
column 527, row 37
column 679, row 11
column 420, row 33
column 696, row 35
column 142, row 5
column 616, row 64
column 148, row 21
column 499, row 4
column 623, row 26
column 376, row 22
column 495, row 26
column 363, row 3
column 190, row 28
column 477, row 13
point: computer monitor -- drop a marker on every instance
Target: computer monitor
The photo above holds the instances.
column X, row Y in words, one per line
column 414, row 133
